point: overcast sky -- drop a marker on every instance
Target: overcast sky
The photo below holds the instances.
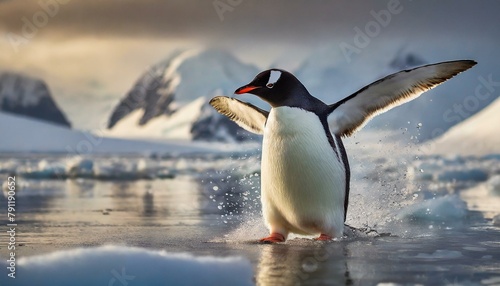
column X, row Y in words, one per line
column 95, row 48
column 277, row 19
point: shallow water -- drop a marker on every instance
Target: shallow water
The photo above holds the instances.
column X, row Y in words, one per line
column 206, row 209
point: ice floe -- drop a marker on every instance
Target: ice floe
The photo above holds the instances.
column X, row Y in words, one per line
column 119, row 265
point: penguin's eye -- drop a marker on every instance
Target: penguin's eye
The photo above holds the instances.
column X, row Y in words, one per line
column 270, row 85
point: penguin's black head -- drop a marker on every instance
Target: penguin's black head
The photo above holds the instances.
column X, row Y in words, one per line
column 277, row 87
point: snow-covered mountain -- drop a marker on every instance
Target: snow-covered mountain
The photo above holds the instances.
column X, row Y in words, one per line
column 328, row 76
column 196, row 120
column 170, row 99
column 478, row 135
column 186, row 76
column 23, row 95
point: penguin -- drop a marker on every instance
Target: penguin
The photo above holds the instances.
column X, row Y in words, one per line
column 305, row 172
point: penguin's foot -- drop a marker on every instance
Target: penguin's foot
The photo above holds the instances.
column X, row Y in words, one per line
column 324, row 237
column 273, row 238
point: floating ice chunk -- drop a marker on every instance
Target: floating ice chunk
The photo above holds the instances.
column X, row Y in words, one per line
column 493, row 185
column 114, row 265
column 440, row 254
column 474, row 248
column 184, row 165
column 475, row 175
column 493, row 280
column 116, row 170
column 6, row 188
column 496, row 220
column 79, row 167
column 9, row 167
column 44, row 170
column 446, row 208
column 147, row 168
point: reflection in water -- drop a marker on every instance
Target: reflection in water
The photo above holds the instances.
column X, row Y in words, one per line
column 122, row 190
column 148, row 203
column 80, row 188
column 36, row 196
column 293, row 264
column 182, row 200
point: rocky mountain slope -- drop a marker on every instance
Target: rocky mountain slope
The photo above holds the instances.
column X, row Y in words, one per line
column 27, row 96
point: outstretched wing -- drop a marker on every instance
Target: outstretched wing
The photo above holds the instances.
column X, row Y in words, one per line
column 246, row 115
column 352, row 112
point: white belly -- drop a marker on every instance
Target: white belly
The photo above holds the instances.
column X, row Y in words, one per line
column 303, row 181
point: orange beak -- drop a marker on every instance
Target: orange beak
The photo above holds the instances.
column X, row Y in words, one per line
column 245, row 89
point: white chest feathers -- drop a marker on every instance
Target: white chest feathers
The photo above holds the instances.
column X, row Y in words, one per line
column 303, row 179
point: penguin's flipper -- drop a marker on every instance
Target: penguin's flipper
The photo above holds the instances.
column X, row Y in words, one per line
column 351, row 113
column 246, row 115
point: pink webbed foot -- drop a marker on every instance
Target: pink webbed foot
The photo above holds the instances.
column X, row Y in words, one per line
column 273, row 238
column 324, row 237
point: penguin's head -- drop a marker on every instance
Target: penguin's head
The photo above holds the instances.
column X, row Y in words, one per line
column 277, row 87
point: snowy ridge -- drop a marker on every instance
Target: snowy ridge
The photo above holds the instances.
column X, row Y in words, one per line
column 23, row 95
column 327, row 76
column 176, row 126
column 478, row 135
column 176, row 88
column 145, row 94
column 196, row 120
column 38, row 136
column 186, row 76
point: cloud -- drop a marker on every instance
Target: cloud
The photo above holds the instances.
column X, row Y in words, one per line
column 245, row 20
column 98, row 18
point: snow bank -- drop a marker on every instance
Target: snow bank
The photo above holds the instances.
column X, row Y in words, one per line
column 176, row 126
column 454, row 169
column 496, row 220
column 449, row 208
column 133, row 167
column 21, row 134
column 493, row 185
column 476, row 175
column 478, row 135
column 115, row 265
